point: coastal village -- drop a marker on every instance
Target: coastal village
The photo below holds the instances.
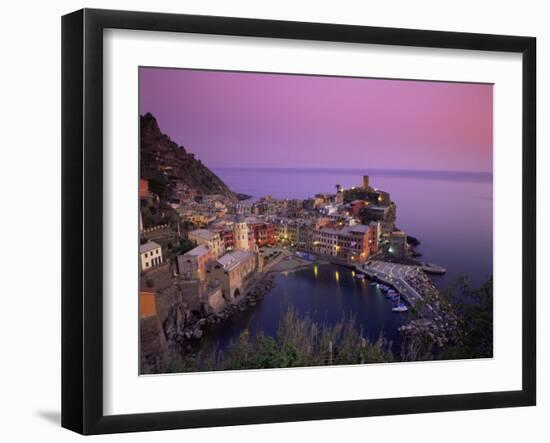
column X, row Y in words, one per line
column 205, row 255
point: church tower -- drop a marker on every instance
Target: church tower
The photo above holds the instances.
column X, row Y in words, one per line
column 240, row 234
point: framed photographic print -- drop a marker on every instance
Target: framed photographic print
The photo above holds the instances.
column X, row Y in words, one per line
column 269, row 221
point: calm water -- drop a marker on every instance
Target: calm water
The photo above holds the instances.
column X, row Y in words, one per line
column 325, row 293
column 450, row 213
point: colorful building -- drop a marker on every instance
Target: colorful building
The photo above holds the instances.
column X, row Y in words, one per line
column 143, row 188
column 264, row 233
column 350, row 243
column 210, row 238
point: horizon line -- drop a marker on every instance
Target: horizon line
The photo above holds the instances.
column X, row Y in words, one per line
column 367, row 170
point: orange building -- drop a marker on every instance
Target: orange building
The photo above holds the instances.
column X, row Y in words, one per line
column 147, row 303
column 143, row 188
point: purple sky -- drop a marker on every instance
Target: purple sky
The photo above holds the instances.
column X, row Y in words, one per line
column 264, row 120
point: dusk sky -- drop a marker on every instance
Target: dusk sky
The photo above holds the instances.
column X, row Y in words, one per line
column 230, row 119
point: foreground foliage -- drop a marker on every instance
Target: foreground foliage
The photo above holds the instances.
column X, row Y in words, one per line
column 299, row 342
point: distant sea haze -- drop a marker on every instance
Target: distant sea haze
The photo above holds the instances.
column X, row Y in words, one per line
column 450, row 212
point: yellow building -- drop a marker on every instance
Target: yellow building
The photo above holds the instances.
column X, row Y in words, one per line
column 210, row 238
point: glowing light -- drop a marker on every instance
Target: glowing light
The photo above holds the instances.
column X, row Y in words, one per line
column 315, row 271
column 337, row 276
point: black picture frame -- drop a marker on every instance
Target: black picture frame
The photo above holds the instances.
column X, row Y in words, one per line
column 82, row 215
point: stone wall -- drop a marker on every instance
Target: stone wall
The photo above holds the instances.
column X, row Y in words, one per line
column 214, row 300
column 153, row 347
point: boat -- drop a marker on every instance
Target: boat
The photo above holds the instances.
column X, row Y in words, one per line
column 373, row 283
column 393, row 292
column 400, row 308
column 361, row 276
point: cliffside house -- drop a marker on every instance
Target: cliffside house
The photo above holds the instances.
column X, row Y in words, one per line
column 150, row 254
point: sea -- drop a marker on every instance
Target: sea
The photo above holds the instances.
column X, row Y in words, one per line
column 450, row 213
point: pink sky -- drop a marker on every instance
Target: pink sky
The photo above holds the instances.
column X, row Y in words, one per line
column 272, row 120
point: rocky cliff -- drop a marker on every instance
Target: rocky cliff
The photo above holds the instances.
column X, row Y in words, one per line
column 164, row 163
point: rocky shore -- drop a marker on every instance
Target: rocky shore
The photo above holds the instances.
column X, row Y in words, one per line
column 257, row 290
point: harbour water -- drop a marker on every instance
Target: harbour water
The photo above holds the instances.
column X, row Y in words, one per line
column 326, row 293
column 450, row 213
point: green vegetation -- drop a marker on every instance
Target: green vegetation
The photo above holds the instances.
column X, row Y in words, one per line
column 474, row 307
column 299, row 342
column 183, row 246
column 467, row 314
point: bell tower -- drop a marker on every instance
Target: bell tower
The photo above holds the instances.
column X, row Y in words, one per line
column 240, row 233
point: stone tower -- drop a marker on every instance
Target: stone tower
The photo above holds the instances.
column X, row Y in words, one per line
column 366, row 181
column 339, row 198
column 240, row 234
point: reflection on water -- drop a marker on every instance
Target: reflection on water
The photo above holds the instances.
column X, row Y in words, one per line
column 326, row 293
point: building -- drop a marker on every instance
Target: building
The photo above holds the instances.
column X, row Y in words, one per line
column 339, row 197
column 366, row 182
column 200, row 219
column 356, row 206
column 350, row 243
column 353, row 243
column 228, row 237
column 374, row 234
column 143, row 188
column 264, row 233
column 150, row 255
column 241, row 234
column 231, row 270
column 374, row 213
column 210, row 238
column 193, row 264
column 153, row 346
column 398, row 243
column 325, row 241
column 305, row 236
column 281, row 232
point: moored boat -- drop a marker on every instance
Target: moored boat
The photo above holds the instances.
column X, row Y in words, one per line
column 400, row 307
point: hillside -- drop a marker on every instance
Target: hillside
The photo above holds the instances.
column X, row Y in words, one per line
column 163, row 163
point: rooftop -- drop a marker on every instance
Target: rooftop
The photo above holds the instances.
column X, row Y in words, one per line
column 198, row 251
column 149, row 246
column 203, row 233
column 234, row 258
